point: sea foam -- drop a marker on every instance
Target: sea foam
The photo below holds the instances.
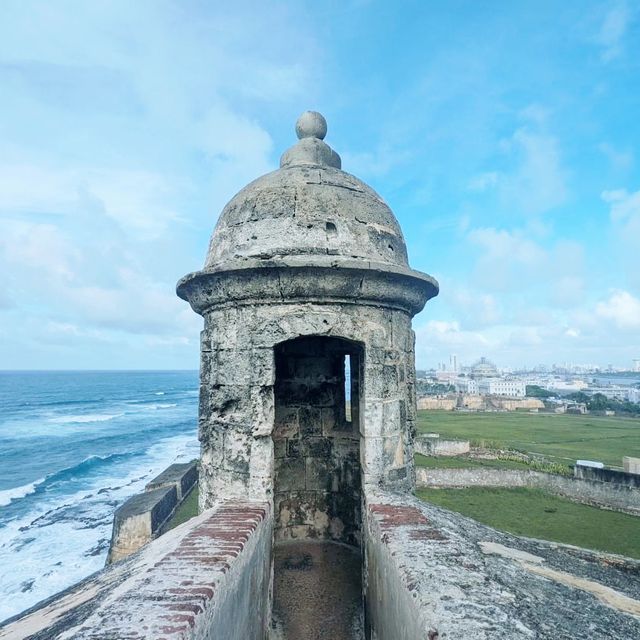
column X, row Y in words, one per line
column 9, row 495
column 89, row 417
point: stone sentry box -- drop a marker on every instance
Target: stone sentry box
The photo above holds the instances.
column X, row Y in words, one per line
column 306, row 265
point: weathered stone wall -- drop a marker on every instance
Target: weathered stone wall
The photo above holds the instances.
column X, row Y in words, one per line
column 208, row 578
column 432, row 403
column 431, row 574
column 144, row 516
column 182, row 475
column 610, row 476
column 600, row 494
column 429, row 446
column 631, row 465
column 317, row 445
column 237, row 402
column 139, row 519
column 478, row 403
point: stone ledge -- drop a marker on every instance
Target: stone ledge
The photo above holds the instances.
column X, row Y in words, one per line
column 201, row 574
column 435, row 574
column 183, row 476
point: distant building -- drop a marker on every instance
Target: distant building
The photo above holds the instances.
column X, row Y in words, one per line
column 484, row 368
column 633, row 395
column 612, row 392
column 466, row 385
column 501, row 387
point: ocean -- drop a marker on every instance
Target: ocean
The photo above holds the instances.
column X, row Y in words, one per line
column 73, row 447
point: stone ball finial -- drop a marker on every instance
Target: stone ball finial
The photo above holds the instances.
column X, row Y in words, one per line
column 311, row 124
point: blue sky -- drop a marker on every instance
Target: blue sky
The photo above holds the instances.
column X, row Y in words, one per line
column 504, row 135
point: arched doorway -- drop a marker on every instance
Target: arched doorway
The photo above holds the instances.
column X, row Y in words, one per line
column 317, row 488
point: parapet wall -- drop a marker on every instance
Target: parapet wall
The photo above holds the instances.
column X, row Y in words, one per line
column 207, row 578
column 612, row 476
column 429, row 446
column 600, row 494
column 144, row 516
column 433, row 574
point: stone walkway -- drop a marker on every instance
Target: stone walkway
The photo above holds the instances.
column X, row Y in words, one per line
column 317, row 592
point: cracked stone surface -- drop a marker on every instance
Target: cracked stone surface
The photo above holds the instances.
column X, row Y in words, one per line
column 307, row 250
column 456, row 578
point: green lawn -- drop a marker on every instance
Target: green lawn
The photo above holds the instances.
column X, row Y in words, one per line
column 564, row 438
column 187, row 510
column 432, row 462
column 535, row 514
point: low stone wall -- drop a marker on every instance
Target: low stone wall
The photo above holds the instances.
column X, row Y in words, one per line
column 433, row 403
column 138, row 520
column 430, row 446
column 143, row 516
column 607, row 475
column 478, row 403
column 432, row 574
column 208, row 578
column 600, row 494
column 631, row 465
column 183, row 476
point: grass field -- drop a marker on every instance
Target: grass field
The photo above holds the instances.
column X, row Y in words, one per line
column 433, row 462
column 535, row 514
column 186, row 510
column 563, row 438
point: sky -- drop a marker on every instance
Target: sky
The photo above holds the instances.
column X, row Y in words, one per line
column 505, row 136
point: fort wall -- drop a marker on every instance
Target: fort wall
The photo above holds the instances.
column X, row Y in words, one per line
column 431, row 574
column 601, row 494
column 430, row 446
column 212, row 572
column 144, row 516
column 611, row 476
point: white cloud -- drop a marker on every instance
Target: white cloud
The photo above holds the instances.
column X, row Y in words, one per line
column 620, row 160
column 625, row 208
column 126, row 128
column 539, row 183
column 438, row 338
column 625, row 219
column 507, row 258
column 484, row 181
column 612, row 31
column 622, row 309
column 477, row 308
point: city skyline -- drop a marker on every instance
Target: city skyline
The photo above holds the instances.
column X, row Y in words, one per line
column 504, row 138
column 456, row 362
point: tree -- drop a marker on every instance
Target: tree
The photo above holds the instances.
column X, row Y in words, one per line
column 578, row 396
column 535, row 391
column 599, row 402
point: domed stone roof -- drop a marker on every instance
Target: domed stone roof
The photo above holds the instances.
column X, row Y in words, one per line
column 308, row 207
column 307, row 232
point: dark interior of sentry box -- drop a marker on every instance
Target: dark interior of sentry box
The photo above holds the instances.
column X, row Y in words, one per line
column 317, row 490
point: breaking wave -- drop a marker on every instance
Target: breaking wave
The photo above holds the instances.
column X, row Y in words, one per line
column 89, row 417
column 9, row 495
